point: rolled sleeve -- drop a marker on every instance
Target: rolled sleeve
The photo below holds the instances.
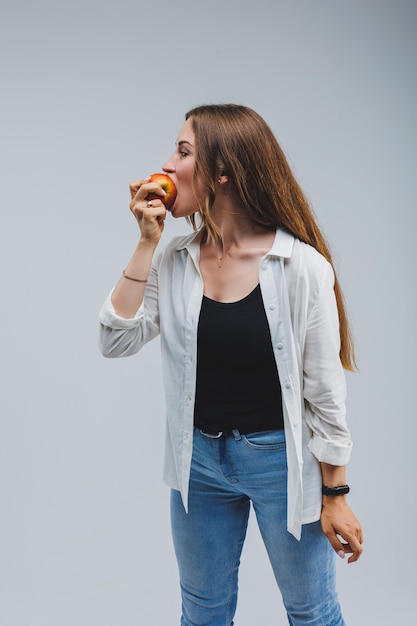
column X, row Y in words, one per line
column 119, row 336
column 331, row 452
column 108, row 316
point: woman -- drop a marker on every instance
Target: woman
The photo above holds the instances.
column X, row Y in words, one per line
column 254, row 338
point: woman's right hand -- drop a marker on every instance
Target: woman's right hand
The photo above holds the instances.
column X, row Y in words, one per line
column 150, row 215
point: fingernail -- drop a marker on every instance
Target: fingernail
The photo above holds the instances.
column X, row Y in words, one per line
column 147, row 179
column 341, row 554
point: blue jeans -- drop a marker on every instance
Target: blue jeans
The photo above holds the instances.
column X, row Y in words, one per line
column 227, row 474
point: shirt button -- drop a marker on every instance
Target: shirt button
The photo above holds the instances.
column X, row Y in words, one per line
column 280, row 346
column 287, row 385
column 272, row 307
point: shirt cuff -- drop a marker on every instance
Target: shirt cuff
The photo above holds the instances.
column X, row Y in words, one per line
column 108, row 316
column 331, row 452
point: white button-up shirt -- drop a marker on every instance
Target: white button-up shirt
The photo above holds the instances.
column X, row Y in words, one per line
column 297, row 290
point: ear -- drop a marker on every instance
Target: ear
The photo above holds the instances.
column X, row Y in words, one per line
column 222, row 178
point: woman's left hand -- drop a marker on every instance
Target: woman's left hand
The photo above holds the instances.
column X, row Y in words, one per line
column 341, row 527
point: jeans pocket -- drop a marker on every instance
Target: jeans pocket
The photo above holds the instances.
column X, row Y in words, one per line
column 265, row 440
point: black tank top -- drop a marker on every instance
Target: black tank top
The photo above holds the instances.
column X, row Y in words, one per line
column 237, row 378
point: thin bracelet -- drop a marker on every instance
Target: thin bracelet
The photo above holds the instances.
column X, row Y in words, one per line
column 136, row 280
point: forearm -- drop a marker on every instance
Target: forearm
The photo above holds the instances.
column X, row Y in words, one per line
column 127, row 296
column 333, row 475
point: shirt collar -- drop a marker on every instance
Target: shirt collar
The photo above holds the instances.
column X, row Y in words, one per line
column 283, row 244
column 190, row 241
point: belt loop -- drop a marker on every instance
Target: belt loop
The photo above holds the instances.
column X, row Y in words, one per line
column 236, row 434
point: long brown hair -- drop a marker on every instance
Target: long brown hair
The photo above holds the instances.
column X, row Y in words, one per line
column 235, row 140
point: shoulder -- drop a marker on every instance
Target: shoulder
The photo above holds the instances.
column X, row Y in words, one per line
column 296, row 253
column 307, row 262
column 309, row 276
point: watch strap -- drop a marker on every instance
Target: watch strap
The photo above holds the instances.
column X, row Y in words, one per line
column 342, row 490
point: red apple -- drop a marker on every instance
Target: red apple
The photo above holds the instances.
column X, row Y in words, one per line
column 168, row 186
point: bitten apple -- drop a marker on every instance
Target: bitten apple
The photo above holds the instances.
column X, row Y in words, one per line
column 167, row 185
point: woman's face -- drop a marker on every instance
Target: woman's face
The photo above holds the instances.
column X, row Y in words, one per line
column 180, row 167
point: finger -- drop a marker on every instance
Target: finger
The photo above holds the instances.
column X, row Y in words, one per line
column 356, row 550
column 150, row 212
column 352, row 547
column 146, row 190
column 139, row 207
column 339, row 543
column 135, row 186
column 340, row 547
column 148, row 206
column 355, row 556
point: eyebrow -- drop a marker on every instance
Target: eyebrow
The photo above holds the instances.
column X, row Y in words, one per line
column 182, row 142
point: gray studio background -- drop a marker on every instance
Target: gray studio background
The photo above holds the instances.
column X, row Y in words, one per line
column 92, row 96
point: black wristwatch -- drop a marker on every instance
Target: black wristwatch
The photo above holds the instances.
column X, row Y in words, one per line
column 335, row 491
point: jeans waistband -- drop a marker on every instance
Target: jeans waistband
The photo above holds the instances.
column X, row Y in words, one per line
column 235, row 432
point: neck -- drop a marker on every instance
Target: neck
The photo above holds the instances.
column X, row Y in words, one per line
column 235, row 228
column 231, row 222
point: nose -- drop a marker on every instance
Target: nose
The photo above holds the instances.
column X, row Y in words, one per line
column 168, row 166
